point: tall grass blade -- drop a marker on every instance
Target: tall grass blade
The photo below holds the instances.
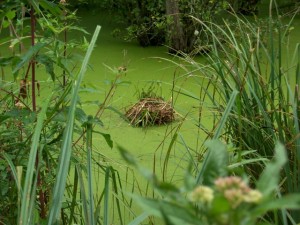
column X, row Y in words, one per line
column 115, row 188
column 208, row 159
column 89, row 131
column 85, row 207
column 74, row 194
column 226, row 114
column 29, row 185
column 65, row 155
column 106, row 197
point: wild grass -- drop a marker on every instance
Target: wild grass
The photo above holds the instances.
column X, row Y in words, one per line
column 253, row 61
column 257, row 61
column 251, row 93
column 76, row 186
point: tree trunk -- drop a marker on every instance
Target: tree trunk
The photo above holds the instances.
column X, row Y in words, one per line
column 176, row 34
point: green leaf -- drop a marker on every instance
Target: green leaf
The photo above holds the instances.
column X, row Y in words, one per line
column 48, row 63
column 4, row 61
column 29, row 55
column 139, row 219
column 290, row 201
column 14, row 170
column 5, row 23
column 51, row 7
column 269, row 178
column 10, row 14
column 215, row 164
column 178, row 214
column 226, row 113
column 220, row 205
column 107, row 138
column 127, row 156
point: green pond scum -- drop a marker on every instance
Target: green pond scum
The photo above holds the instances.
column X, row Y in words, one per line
column 174, row 112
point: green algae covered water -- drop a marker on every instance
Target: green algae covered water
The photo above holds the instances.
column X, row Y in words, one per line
column 143, row 67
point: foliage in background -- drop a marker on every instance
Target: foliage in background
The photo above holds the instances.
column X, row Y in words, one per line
column 169, row 22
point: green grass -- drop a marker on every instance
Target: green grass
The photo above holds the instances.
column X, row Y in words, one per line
column 248, row 57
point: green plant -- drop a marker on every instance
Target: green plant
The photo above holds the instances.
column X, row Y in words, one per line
column 55, row 125
column 257, row 61
column 214, row 197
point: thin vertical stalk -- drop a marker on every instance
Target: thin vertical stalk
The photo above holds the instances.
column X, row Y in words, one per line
column 65, row 54
column 74, row 194
column 106, row 197
column 65, row 42
column 32, row 24
column 89, row 132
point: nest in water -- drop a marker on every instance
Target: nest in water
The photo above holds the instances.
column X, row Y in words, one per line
column 150, row 111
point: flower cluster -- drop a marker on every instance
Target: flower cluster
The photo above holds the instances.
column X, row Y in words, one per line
column 202, row 194
column 232, row 188
column 236, row 191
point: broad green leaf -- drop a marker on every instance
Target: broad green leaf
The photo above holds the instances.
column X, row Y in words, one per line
column 51, row 7
column 215, row 164
column 269, row 178
column 127, row 156
column 182, row 214
column 5, row 23
column 220, row 205
column 10, row 14
column 48, row 63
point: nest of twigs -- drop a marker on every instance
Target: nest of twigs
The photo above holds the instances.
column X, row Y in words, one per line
column 150, row 111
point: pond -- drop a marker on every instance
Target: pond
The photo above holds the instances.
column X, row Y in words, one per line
column 144, row 66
